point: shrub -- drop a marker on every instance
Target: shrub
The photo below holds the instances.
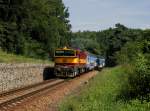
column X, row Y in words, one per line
column 129, row 52
column 138, row 83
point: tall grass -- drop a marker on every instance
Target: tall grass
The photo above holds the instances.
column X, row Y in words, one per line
column 101, row 93
column 11, row 58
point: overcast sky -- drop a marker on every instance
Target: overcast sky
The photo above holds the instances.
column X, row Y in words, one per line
column 101, row 14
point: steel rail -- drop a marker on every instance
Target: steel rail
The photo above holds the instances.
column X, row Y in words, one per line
column 8, row 103
column 24, row 88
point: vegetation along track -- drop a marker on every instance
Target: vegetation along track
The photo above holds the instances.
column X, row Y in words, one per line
column 14, row 97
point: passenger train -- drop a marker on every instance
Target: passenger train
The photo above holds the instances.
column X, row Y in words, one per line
column 71, row 62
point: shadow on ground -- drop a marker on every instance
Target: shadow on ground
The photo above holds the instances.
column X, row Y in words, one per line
column 48, row 73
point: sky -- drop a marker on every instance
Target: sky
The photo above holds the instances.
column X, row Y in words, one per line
column 95, row 15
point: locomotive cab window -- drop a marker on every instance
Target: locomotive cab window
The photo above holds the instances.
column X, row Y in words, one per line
column 64, row 53
column 59, row 53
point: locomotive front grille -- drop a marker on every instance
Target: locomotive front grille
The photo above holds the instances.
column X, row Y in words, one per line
column 63, row 71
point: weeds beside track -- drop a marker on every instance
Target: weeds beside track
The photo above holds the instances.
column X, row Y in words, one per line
column 100, row 94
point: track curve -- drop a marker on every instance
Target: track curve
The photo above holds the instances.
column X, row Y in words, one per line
column 7, row 100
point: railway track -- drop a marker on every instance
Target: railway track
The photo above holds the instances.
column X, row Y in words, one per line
column 15, row 97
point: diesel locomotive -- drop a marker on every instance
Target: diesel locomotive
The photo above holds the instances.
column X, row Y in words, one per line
column 71, row 62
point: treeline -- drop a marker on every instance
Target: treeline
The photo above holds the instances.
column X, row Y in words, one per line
column 125, row 46
column 112, row 43
column 33, row 28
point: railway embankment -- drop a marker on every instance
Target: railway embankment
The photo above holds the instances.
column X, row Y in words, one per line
column 17, row 75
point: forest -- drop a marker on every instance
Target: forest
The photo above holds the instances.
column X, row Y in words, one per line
column 35, row 28
column 117, row 45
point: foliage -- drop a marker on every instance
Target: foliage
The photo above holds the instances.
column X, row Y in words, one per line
column 129, row 52
column 138, row 84
column 100, row 94
column 85, row 41
column 33, row 27
column 137, row 55
column 108, row 42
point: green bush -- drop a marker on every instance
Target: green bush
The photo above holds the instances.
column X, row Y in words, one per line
column 129, row 52
column 138, row 81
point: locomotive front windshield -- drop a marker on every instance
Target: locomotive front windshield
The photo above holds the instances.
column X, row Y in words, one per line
column 64, row 53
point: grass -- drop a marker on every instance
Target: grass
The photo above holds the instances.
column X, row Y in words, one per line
column 100, row 94
column 11, row 58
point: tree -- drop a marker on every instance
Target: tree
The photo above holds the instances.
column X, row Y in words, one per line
column 41, row 25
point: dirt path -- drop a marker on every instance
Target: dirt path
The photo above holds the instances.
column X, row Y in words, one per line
column 50, row 100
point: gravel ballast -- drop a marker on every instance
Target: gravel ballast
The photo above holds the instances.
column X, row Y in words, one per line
column 50, row 100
